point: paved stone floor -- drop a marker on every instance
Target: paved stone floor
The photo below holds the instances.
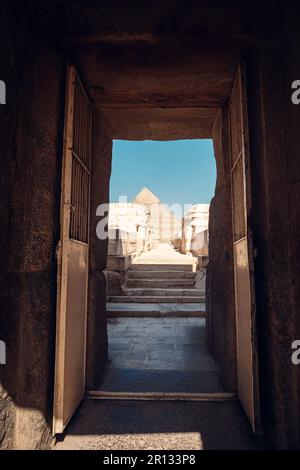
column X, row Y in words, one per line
column 159, row 354
column 129, row 425
column 164, row 253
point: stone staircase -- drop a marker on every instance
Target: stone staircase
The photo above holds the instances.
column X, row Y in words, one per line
column 159, row 289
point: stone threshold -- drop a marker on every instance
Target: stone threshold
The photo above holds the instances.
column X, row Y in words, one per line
column 155, row 310
column 150, row 299
column 159, row 396
column 155, row 314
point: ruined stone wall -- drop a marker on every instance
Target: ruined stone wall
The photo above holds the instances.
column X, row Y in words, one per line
column 31, row 143
column 195, row 230
column 130, row 228
column 219, row 280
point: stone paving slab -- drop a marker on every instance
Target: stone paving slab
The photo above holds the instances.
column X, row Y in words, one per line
column 155, row 299
column 152, row 309
column 153, row 266
column 159, row 283
column 159, row 354
column 155, row 292
column 142, row 274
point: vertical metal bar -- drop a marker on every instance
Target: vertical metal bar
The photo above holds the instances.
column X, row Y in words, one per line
column 82, row 159
column 77, row 198
column 75, row 114
column 81, row 123
column 84, row 129
column 86, row 208
column 81, row 201
column 72, row 200
column 90, row 171
column 80, row 198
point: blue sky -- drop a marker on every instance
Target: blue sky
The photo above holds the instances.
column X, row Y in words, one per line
column 181, row 171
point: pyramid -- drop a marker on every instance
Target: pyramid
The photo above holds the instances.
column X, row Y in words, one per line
column 145, row 196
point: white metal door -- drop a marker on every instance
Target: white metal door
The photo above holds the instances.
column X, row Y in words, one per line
column 243, row 252
column 72, row 255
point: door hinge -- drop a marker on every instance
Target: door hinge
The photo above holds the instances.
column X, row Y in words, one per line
column 58, row 252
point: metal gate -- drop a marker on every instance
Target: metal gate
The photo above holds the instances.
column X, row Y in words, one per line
column 243, row 252
column 72, row 254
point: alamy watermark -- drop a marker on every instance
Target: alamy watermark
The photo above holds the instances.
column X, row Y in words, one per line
column 296, row 353
column 155, row 213
column 2, row 92
column 295, row 97
column 2, row 352
column 2, row 343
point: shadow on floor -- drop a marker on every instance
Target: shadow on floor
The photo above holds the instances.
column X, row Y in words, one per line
column 136, row 380
column 130, row 425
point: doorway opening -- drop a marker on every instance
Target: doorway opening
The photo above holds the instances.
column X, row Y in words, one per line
column 156, row 243
column 160, row 194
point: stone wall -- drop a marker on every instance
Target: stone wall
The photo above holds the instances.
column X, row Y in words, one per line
column 31, row 143
column 275, row 193
column 195, row 230
column 130, row 229
column 97, row 330
column 290, row 47
column 273, row 222
column 8, row 127
column 219, row 279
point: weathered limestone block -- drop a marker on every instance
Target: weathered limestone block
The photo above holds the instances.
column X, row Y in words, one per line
column 114, row 281
column 118, row 263
column 200, row 279
column 7, row 419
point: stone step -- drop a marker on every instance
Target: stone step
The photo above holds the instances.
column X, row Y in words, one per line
column 161, row 283
column 115, row 309
column 156, row 292
column 168, row 261
column 150, row 299
column 161, row 267
column 142, row 274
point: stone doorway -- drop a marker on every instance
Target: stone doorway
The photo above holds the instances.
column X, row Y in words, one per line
column 156, row 282
column 159, row 72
